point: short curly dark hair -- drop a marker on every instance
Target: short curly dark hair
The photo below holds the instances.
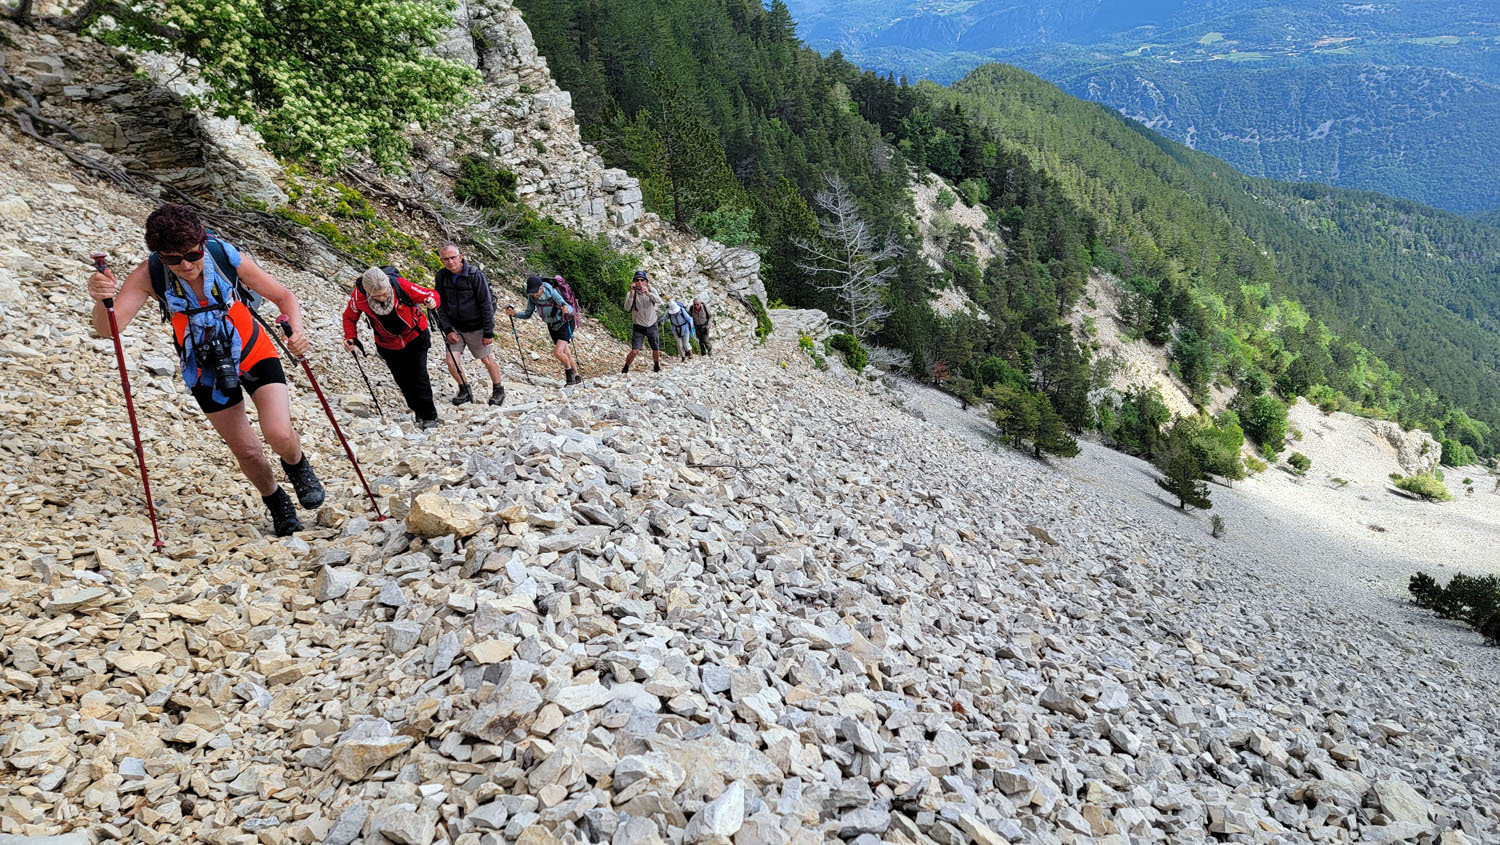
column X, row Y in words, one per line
column 174, row 228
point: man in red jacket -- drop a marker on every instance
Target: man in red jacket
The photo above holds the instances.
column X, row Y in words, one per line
column 394, row 307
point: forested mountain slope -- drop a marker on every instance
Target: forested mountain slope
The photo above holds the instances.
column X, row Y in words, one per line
column 733, row 126
column 1367, row 96
column 1418, row 287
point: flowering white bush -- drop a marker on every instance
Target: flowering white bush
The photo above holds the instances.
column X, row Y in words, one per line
column 317, row 78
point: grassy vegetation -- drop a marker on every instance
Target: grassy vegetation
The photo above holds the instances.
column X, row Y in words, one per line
column 1426, row 485
column 343, row 216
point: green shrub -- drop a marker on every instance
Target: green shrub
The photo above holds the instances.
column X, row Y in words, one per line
column 946, row 199
column 1264, row 421
column 808, row 345
column 484, row 185
column 1427, row 485
column 1299, row 462
column 854, row 353
column 763, row 325
column 1255, row 465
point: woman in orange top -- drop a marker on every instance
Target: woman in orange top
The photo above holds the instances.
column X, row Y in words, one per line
column 224, row 351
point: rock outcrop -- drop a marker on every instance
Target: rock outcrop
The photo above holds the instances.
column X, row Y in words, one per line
column 1416, row 450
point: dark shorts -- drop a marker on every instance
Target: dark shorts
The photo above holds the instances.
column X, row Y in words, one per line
column 640, row 334
column 267, row 371
column 563, row 332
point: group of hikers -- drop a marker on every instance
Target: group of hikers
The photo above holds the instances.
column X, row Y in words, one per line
column 206, row 289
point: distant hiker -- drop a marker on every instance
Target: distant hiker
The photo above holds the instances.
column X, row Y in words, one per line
column 467, row 319
column 199, row 282
column 701, row 320
column 682, row 328
column 642, row 305
column 394, row 307
column 557, row 314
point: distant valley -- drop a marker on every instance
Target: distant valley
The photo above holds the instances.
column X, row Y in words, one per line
column 1401, row 98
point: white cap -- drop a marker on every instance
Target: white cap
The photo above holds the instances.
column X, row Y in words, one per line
column 672, row 308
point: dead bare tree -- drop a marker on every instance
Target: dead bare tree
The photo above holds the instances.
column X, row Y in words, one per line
column 846, row 261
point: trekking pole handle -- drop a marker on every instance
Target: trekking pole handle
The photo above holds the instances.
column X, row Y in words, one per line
column 101, row 263
column 286, row 329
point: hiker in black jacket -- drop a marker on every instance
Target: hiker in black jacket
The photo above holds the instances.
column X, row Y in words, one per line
column 466, row 316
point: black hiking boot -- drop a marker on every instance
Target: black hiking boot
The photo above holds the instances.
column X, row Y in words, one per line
column 427, row 424
column 497, row 395
column 305, row 482
column 625, row 369
column 656, row 367
column 569, row 378
column 283, row 513
column 463, row 396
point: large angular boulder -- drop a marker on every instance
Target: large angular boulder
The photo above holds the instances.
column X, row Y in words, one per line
column 431, row 515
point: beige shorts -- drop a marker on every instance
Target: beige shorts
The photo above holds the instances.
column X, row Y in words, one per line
column 475, row 341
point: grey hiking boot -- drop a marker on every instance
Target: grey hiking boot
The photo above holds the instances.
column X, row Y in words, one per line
column 305, row 482
column 497, row 395
column 463, row 396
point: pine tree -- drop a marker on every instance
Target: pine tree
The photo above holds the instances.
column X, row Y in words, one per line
column 1015, row 413
column 688, row 156
column 1183, row 477
column 1051, row 435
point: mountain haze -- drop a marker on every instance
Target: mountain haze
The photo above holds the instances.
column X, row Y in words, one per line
column 1400, row 98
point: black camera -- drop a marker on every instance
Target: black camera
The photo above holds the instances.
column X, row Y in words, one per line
column 216, row 353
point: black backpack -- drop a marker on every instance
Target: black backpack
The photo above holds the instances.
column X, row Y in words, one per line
column 215, row 251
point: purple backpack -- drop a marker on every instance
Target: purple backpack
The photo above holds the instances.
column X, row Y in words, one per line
column 569, row 297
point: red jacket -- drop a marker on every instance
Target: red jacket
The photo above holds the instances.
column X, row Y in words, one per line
column 411, row 315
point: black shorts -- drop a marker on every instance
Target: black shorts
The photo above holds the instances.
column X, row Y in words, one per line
column 640, row 334
column 263, row 373
column 562, row 331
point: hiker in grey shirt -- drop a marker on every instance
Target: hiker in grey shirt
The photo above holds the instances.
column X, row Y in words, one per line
column 642, row 305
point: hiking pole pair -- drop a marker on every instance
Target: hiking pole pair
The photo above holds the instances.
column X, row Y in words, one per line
column 286, row 329
column 374, row 398
column 101, row 263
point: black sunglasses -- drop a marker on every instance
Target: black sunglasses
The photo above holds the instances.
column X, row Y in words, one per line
column 173, row 260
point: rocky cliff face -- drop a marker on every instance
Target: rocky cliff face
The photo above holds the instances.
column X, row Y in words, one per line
column 522, row 121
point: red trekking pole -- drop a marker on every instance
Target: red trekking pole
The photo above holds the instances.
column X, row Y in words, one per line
column 286, row 329
column 101, row 263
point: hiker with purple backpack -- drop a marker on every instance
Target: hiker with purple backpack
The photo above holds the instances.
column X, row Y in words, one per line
column 559, row 315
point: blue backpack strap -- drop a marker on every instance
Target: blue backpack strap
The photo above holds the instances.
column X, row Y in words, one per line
column 221, row 261
column 232, row 273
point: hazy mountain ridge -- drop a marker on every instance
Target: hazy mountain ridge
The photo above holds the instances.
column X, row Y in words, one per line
column 1359, row 96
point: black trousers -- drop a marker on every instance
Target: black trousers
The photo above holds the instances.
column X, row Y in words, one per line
column 409, row 369
column 703, row 343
